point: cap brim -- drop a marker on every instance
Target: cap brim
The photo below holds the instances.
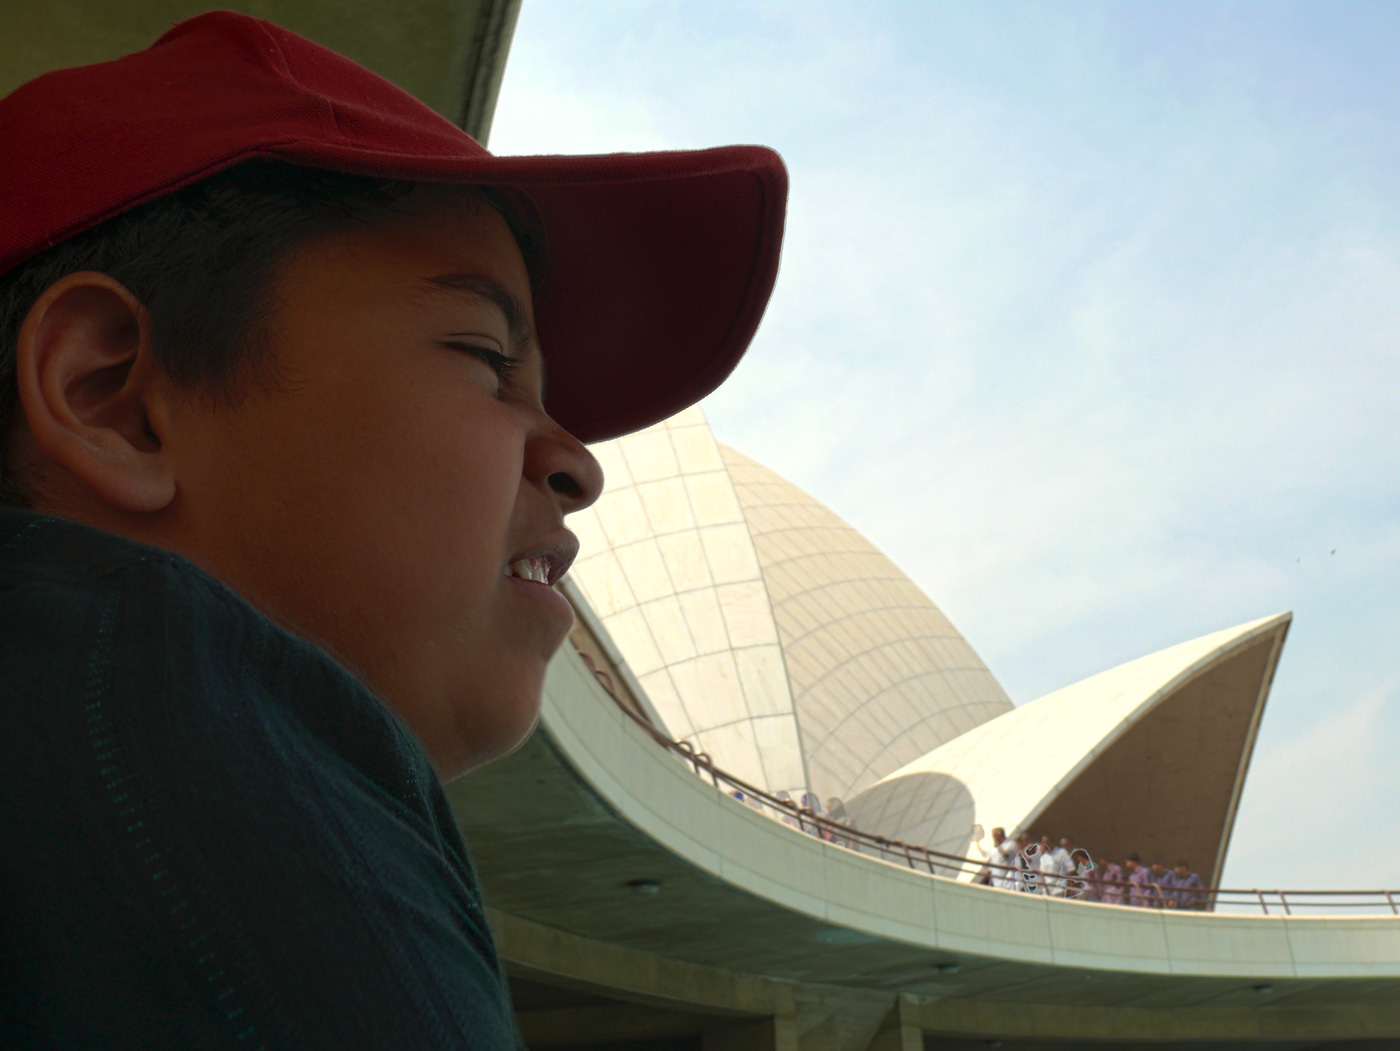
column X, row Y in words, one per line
column 660, row 267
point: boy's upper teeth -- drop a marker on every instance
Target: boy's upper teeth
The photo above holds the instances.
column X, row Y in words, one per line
column 536, row 569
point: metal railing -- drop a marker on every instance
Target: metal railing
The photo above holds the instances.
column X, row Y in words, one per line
column 939, row 863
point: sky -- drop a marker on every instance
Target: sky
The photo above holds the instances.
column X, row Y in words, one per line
column 1088, row 317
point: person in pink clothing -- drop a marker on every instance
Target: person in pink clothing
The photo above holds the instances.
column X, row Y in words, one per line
column 1141, row 893
column 1105, row 883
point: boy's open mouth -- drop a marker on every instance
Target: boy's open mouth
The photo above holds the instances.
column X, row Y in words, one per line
column 535, row 569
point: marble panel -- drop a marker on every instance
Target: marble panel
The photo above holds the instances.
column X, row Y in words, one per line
column 1086, row 934
column 1223, row 944
column 696, row 449
column 779, row 750
column 748, row 616
column 1325, row 946
column 633, row 637
column 650, row 455
column 704, row 618
column 993, row 922
column 667, row 505
column 664, row 697
column 778, row 863
column 603, row 583
column 712, row 499
column 622, row 516
column 710, row 689
column 684, row 555
column 645, row 570
column 730, row 553
column 764, row 680
column 669, row 629
column 690, row 416
column 734, row 748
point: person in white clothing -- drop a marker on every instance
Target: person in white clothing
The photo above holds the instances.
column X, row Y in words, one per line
column 1052, row 861
column 1028, row 863
column 1003, row 854
column 1080, row 865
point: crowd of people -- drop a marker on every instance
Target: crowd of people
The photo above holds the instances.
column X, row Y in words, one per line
column 1058, row 870
column 1065, row 871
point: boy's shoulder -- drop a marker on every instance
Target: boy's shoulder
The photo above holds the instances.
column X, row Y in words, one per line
column 245, row 836
column 93, row 625
column 92, row 615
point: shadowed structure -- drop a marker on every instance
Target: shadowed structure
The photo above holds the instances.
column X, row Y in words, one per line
column 1150, row 757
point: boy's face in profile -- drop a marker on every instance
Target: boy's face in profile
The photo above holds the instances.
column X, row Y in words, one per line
column 375, row 498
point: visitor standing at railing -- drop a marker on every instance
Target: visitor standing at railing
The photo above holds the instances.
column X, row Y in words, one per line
column 1054, row 866
column 1182, row 888
column 836, row 814
column 1140, row 892
column 1027, row 863
column 1159, row 874
column 1106, row 883
column 1001, row 860
column 1081, row 867
column 1004, row 854
column 790, row 817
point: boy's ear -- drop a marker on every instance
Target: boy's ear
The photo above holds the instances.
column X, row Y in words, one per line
column 93, row 393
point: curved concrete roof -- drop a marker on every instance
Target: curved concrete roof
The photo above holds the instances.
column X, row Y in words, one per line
column 1149, row 757
column 879, row 675
column 764, row 628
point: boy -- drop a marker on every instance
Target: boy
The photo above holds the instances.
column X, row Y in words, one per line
column 283, row 495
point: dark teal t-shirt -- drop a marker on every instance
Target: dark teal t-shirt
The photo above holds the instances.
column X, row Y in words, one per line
column 212, row 835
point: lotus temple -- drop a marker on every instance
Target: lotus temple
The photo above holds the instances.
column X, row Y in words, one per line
column 744, row 822
column 737, row 642
column 765, row 630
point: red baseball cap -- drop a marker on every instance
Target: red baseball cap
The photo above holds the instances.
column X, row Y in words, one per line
column 660, row 264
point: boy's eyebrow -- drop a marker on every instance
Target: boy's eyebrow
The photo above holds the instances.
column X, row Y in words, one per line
column 478, row 287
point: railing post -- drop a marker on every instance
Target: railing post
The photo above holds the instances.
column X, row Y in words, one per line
column 1262, row 903
column 1286, row 910
column 709, row 765
column 1393, row 907
column 908, row 857
column 688, row 750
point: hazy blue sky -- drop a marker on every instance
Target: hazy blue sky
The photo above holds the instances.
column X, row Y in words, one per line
column 1104, row 301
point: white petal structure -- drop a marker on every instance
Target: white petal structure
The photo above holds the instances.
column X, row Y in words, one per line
column 777, row 639
column 764, row 628
column 878, row 674
column 669, row 568
column 1148, row 757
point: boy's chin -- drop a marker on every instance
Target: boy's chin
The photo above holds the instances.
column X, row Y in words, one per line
column 511, row 726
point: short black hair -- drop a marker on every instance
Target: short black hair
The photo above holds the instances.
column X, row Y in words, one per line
column 202, row 261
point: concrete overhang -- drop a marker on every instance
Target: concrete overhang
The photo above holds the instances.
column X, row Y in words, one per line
column 450, row 54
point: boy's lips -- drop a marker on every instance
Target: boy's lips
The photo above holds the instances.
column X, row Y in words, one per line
column 546, row 561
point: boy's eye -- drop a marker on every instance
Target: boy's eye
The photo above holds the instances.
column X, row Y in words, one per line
column 501, row 364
